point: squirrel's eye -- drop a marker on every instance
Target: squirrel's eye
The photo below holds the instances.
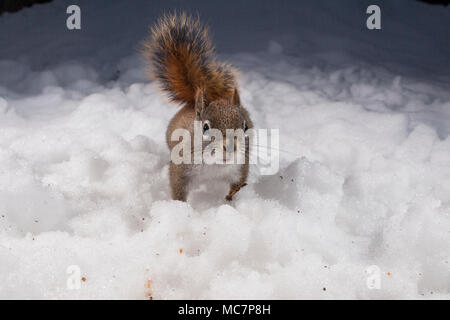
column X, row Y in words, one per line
column 245, row 127
column 205, row 127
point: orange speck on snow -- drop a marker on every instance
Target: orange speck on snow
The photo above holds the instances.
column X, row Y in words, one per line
column 148, row 289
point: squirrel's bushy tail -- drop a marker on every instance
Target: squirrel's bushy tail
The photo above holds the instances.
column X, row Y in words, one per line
column 181, row 57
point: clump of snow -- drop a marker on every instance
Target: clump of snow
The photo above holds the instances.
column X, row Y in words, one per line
column 364, row 178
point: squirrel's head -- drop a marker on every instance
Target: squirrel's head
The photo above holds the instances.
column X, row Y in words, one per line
column 223, row 114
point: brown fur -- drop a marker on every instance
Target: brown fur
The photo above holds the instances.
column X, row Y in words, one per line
column 181, row 55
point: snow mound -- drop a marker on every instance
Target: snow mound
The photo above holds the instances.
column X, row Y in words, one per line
column 364, row 181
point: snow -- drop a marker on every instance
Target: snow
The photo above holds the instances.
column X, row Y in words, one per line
column 364, row 119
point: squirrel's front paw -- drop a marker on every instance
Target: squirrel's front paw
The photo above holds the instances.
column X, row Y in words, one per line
column 234, row 189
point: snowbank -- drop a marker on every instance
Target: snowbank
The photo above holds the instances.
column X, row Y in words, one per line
column 364, row 178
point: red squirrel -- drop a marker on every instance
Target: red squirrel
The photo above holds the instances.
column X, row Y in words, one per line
column 181, row 59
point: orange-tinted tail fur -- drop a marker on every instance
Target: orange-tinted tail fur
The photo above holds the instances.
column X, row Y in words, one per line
column 181, row 57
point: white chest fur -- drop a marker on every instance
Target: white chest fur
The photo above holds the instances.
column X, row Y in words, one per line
column 228, row 173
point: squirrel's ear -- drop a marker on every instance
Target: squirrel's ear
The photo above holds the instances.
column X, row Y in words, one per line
column 236, row 100
column 199, row 102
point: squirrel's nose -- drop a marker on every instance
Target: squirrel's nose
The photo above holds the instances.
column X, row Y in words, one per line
column 227, row 146
column 230, row 145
